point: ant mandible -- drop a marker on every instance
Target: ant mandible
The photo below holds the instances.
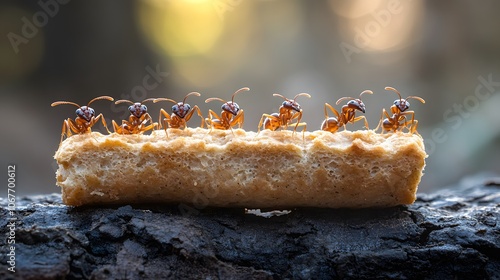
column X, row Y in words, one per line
column 138, row 119
column 181, row 113
column 347, row 115
column 398, row 120
column 230, row 116
column 289, row 110
column 85, row 118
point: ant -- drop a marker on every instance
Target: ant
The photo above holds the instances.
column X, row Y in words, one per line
column 137, row 120
column 85, row 118
column 285, row 116
column 399, row 113
column 181, row 113
column 348, row 113
column 230, row 116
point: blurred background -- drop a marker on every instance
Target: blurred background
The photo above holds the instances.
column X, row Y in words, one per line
column 446, row 52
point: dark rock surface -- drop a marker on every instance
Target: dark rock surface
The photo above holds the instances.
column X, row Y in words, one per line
column 453, row 234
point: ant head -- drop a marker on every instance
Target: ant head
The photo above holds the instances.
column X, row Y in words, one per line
column 231, row 107
column 138, row 109
column 356, row 103
column 292, row 104
column 402, row 104
column 85, row 112
column 181, row 109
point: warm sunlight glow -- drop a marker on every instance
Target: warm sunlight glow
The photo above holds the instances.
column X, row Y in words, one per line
column 354, row 8
column 180, row 28
column 392, row 25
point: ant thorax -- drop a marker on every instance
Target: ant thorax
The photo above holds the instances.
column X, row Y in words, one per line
column 85, row 113
column 231, row 107
column 181, row 109
column 138, row 109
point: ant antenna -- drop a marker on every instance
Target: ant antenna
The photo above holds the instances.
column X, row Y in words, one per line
column 131, row 102
column 173, row 101
column 73, row 103
column 301, row 94
column 224, row 101
column 395, row 90
column 123, row 101
column 277, row 94
column 417, row 98
column 215, row 98
column 101, row 97
column 352, row 98
column 365, row 92
column 64, row 102
column 189, row 94
column 238, row 91
column 409, row 97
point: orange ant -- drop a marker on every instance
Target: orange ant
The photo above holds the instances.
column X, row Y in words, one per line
column 85, row 118
column 230, row 116
column 137, row 120
column 285, row 116
column 181, row 113
column 348, row 113
column 399, row 113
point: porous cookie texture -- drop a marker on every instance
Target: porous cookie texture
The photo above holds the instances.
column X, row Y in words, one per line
column 224, row 168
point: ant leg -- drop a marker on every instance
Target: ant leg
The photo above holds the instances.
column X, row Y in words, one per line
column 359, row 118
column 238, row 119
column 242, row 118
column 80, row 126
column 147, row 117
column 298, row 116
column 404, row 122
column 414, row 127
column 209, row 120
column 412, row 124
column 267, row 121
column 190, row 114
column 165, row 121
column 331, row 109
column 72, row 126
column 100, row 116
column 412, row 121
column 65, row 130
column 304, row 124
column 384, row 112
column 149, row 127
column 116, row 127
column 304, row 132
column 261, row 122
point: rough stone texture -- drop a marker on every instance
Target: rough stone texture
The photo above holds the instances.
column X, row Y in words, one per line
column 453, row 234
